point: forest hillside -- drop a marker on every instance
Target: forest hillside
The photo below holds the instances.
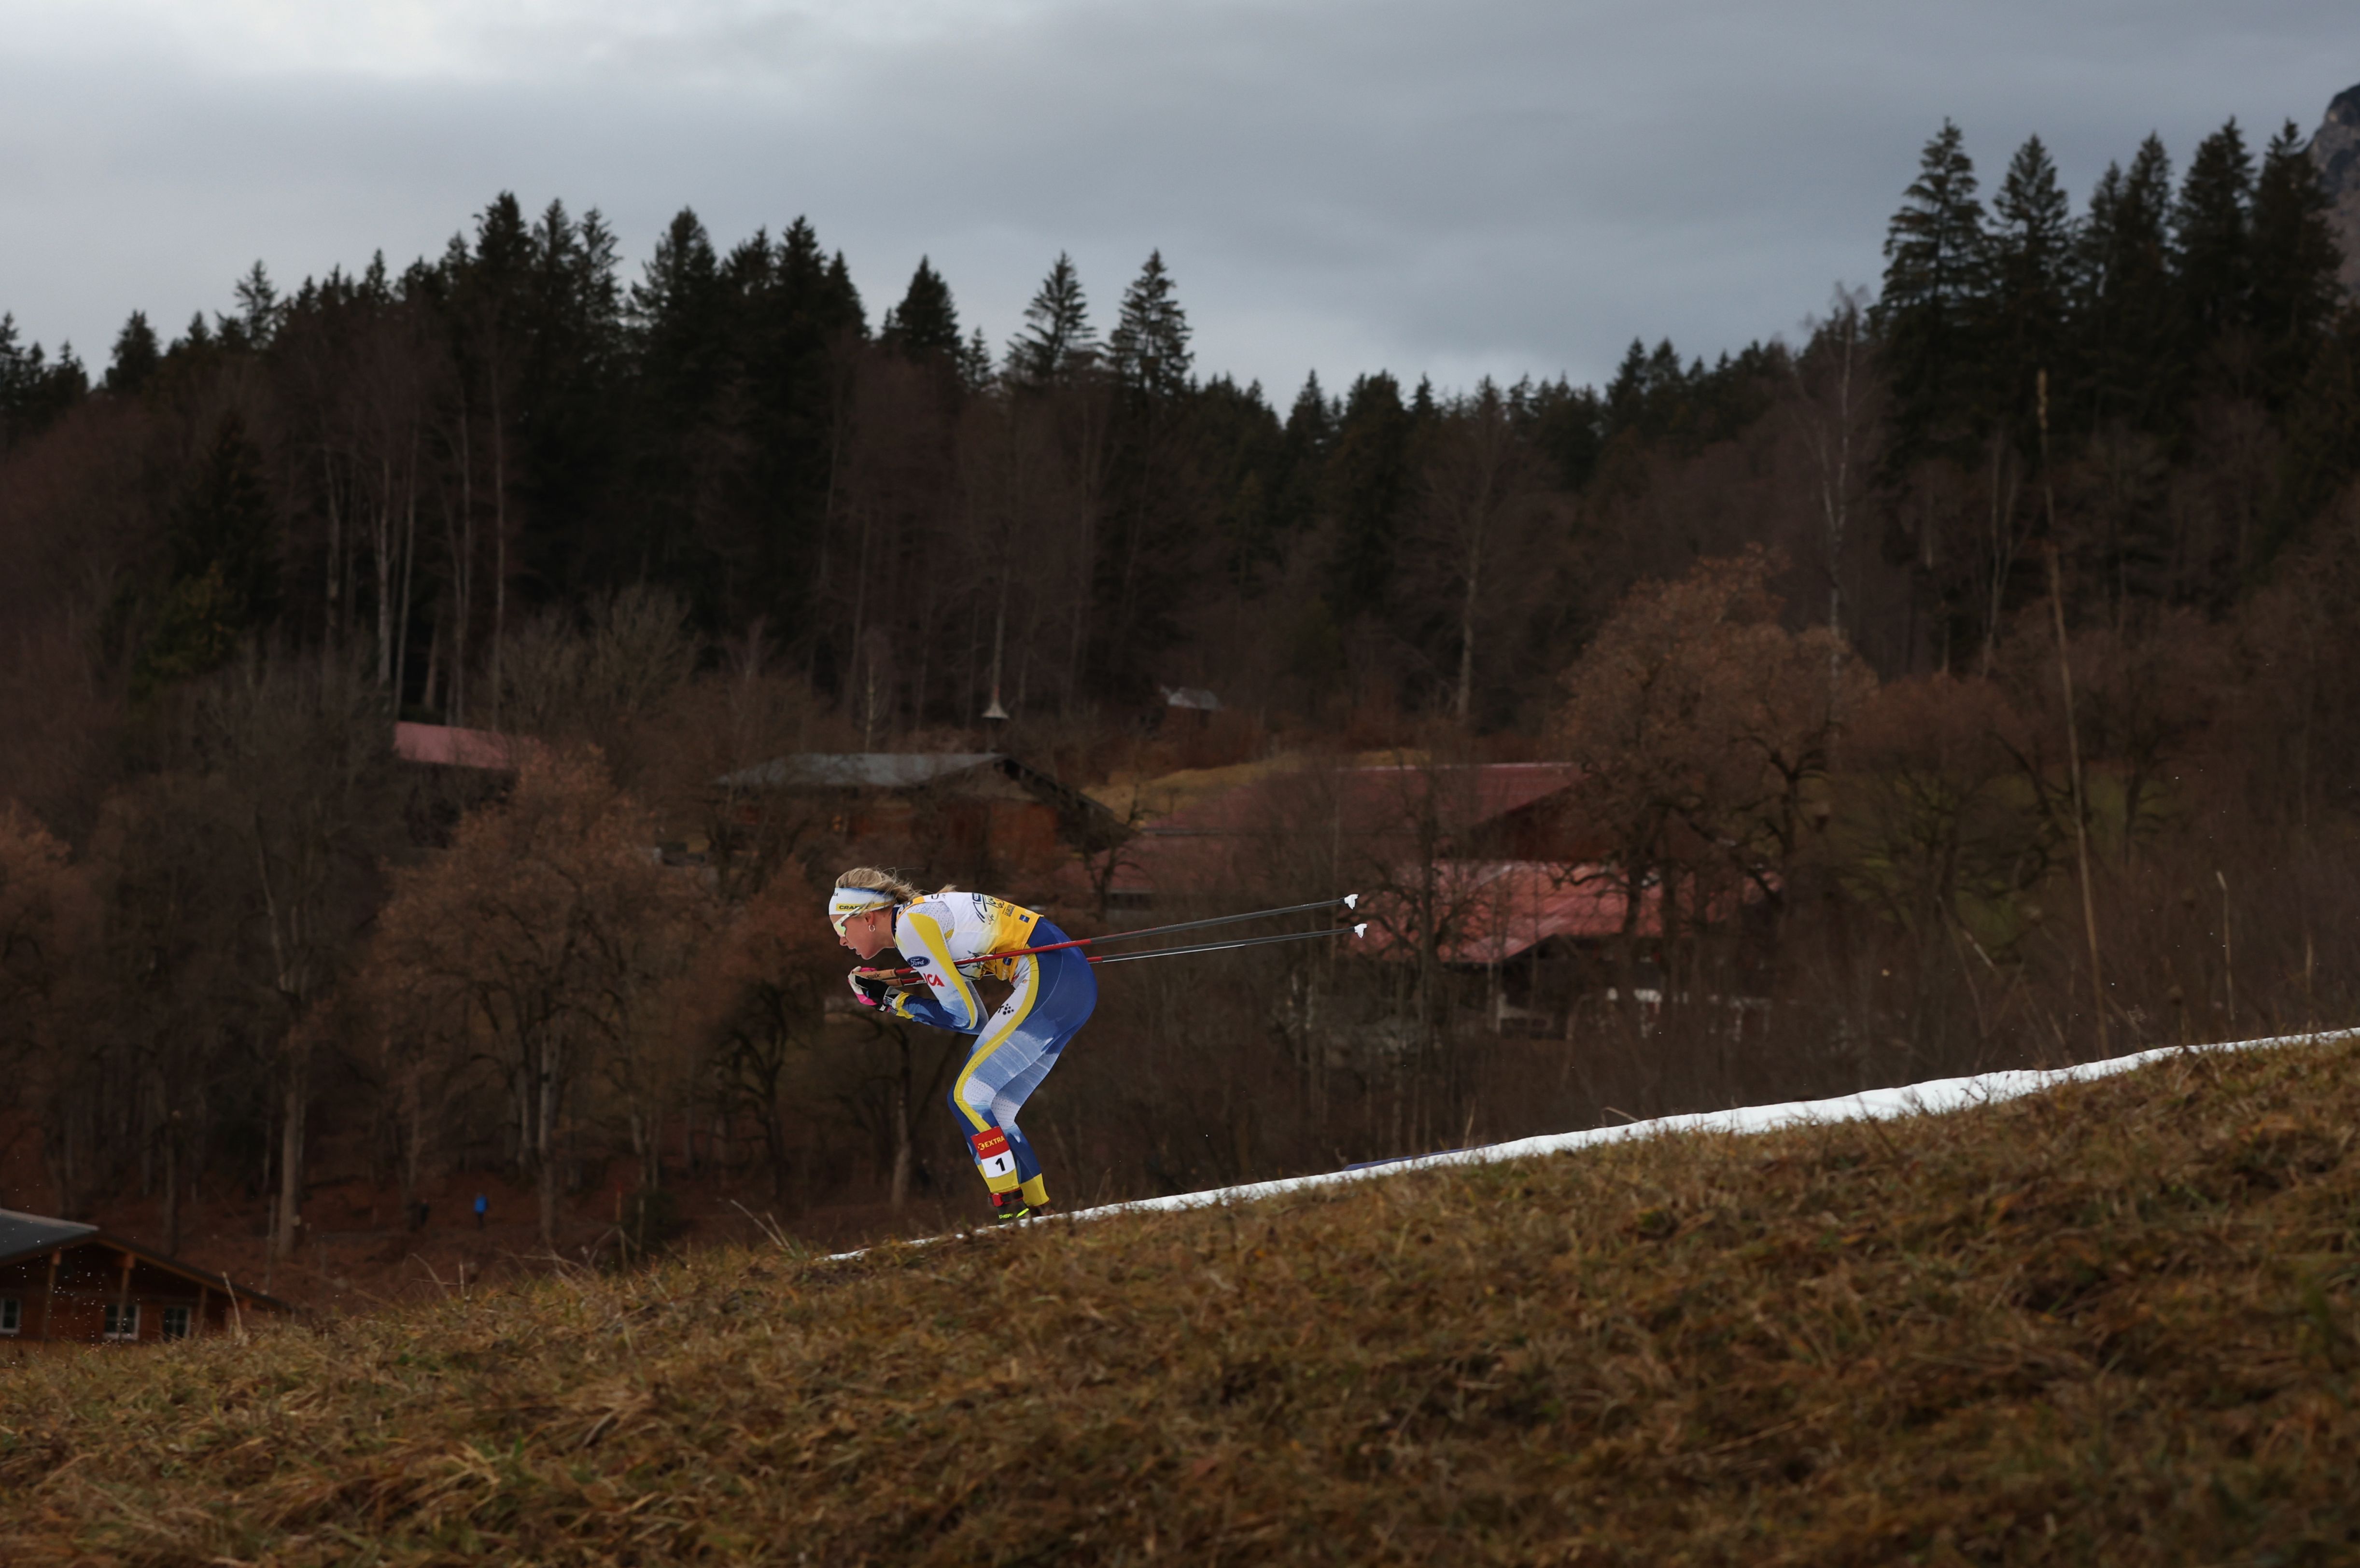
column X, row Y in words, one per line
column 1962, row 681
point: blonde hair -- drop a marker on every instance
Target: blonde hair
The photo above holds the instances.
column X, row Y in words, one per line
column 876, row 879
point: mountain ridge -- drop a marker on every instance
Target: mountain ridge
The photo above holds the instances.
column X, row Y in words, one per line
column 2335, row 152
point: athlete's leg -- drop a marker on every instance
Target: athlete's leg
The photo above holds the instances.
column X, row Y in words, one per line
column 1068, row 991
column 1002, row 1050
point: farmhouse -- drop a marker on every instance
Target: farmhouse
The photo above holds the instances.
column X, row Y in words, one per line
column 66, row 1284
column 967, row 813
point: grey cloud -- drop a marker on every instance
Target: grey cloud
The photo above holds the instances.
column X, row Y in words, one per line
column 1502, row 186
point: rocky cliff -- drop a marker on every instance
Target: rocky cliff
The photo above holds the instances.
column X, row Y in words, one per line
column 2336, row 150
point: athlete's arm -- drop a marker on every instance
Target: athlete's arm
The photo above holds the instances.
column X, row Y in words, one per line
column 947, row 992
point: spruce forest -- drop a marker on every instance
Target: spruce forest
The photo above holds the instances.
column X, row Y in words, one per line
column 1972, row 673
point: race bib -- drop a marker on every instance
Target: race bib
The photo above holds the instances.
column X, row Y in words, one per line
column 991, row 1153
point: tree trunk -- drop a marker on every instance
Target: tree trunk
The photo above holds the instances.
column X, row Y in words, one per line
column 544, row 1144
column 500, row 541
column 171, row 1182
column 904, row 1154
column 290, row 1151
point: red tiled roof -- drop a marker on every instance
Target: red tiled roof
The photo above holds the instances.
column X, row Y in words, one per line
column 1196, row 845
column 443, row 745
column 1492, row 910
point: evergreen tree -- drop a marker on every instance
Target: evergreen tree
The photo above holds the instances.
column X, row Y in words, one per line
column 846, row 298
column 2209, row 241
column 679, row 308
column 1628, row 393
column 1301, row 458
column 1566, row 423
column 137, row 354
column 223, row 549
column 1058, row 341
column 1149, row 346
column 2127, row 294
column 2295, row 260
column 925, row 322
column 1242, row 443
column 2029, row 281
column 224, row 522
column 2322, row 431
column 565, row 310
column 259, row 310
column 1935, row 256
column 975, row 371
column 20, row 374
column 33, row 391
column 1368, row 479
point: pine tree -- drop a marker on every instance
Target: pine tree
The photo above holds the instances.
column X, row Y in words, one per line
column 844, row 299
column 259, row 310
column 223, row 552
column 1367, row 489
column 1149, row 346
column 18, row 369
column 2125, row 295
column 2322, row 456
column 679, row 309
column 975, row 369
column 1935, row 256
column 2029, row 280
column 1567, row 423
column 224, row 522
column 1302, row 456
column 2295, row 257
column 1058, row 341
column 35, row 392
column 802, row 274
column 2210, row 240
column 925, row 322
column 137, row 354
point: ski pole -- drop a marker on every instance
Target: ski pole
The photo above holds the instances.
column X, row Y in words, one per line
column 1225, row 946
column 1348, row 900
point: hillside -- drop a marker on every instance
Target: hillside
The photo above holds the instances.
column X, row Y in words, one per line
column 2116, row 1323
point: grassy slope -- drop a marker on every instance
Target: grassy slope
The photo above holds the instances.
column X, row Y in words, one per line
column 2113, row 1324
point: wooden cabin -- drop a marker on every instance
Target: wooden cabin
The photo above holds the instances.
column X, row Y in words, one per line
column 64, row 1283
column 965, row 814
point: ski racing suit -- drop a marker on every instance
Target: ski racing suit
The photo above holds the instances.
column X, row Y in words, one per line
column 941, row 937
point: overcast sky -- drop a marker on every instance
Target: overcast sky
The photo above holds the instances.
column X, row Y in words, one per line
column 1478, row 187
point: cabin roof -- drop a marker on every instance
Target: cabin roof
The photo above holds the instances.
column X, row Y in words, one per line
column 26, row 1235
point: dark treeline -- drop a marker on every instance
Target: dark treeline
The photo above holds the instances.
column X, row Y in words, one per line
column 413, row 464
column 722, row 511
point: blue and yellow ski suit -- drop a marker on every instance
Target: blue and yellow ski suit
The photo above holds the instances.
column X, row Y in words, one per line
column 941, row 937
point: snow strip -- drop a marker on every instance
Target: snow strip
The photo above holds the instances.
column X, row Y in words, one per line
column 1937, row 1097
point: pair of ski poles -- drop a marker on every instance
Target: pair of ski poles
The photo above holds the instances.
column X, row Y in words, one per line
column 1349, row 901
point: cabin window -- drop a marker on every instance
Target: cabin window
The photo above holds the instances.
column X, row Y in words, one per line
column 176, row 1322
column 12, row 1315
column 121, row 1320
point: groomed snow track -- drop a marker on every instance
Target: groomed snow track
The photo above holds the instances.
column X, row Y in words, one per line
column 1934, row 1097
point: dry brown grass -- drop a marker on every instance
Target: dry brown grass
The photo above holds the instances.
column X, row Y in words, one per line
column 2113, row 1324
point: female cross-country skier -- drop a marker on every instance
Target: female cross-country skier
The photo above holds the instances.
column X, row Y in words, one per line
column 940, row 936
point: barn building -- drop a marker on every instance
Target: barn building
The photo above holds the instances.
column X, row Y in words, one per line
column 967, row 814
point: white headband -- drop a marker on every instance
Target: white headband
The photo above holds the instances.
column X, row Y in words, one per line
column 846, row 902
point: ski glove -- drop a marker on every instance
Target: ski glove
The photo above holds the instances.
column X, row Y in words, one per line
column 869, row 991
